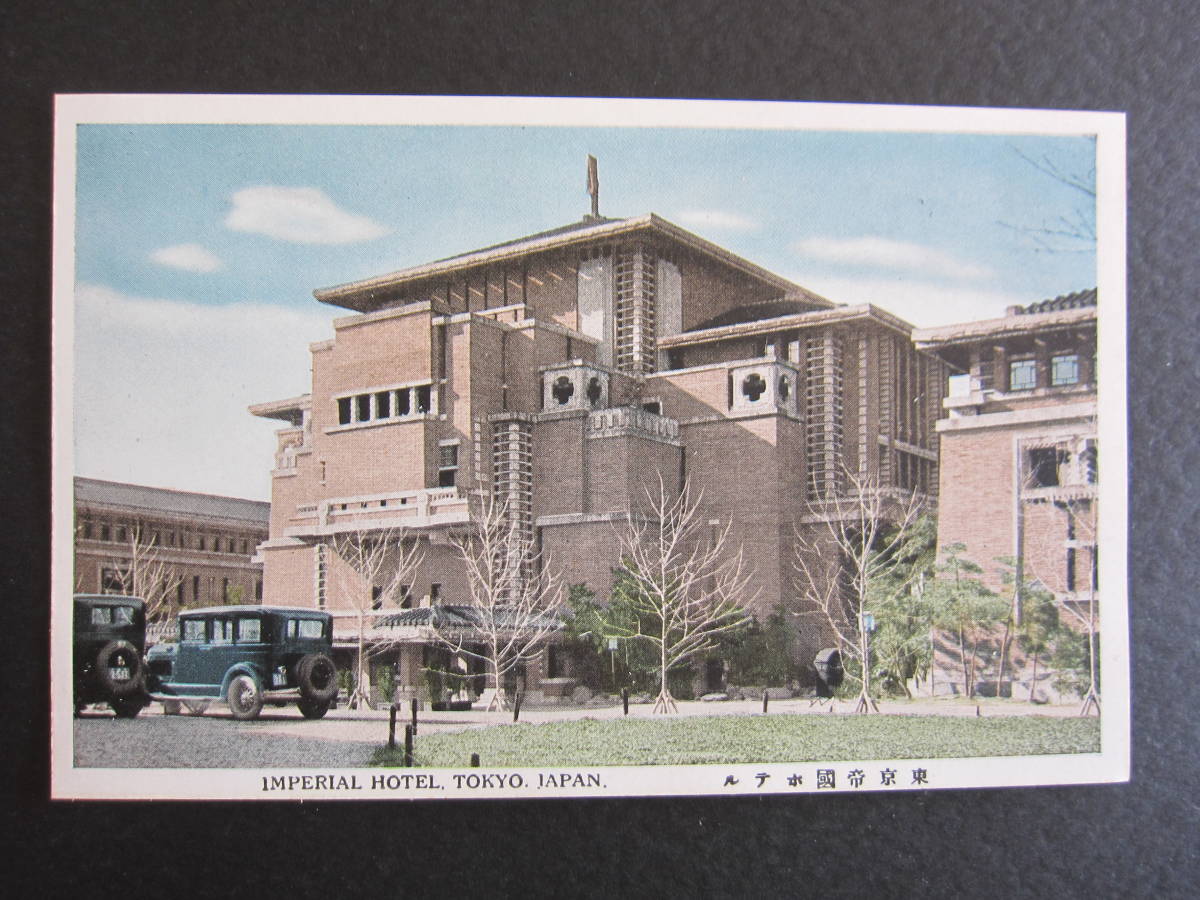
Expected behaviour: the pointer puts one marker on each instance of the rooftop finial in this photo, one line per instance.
(593, 185)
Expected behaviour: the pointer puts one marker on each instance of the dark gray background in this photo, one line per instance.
(1137, 839)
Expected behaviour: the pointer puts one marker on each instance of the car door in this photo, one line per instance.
(190, 661)
(219, 653)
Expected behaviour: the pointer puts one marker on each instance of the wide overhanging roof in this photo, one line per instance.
(363, 296)
(969, 332)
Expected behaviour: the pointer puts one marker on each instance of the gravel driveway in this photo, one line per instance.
(215, 740)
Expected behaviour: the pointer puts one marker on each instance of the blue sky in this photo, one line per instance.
(198, 247)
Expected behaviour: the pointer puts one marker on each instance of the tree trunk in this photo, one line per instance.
(1033, 680)
(962, 658)
(1003, 655)
(664, 702)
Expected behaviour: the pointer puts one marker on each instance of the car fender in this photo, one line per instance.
(241, 669)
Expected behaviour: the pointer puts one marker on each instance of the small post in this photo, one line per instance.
(392, 728)
(766, 697)
(414, 714)
(517, 706)
(625, 699)
(474, 760)
(408, 746)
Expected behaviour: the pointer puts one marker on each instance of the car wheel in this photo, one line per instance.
(170, 707)
(119, 669)
(195, 707)
(311, 710)
(126, 707)
(316, 676)
(244, 698)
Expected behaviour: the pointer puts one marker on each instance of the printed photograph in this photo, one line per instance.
(459, 447)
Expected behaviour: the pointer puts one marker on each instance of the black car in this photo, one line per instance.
(247, 656)
(110, 639)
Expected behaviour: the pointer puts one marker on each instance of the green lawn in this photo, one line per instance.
(746, 739)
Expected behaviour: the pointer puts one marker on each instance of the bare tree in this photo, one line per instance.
(515, 597)
(1066, 233)
(684, 583)
(142, 572)
(849, 554)
(377, 565)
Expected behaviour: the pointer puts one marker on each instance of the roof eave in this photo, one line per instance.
(344, 294)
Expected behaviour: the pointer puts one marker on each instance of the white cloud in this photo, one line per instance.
(189, 257)
(885, 253)
(716, 218)
(161, 388)
(302, 215)
(923, 303)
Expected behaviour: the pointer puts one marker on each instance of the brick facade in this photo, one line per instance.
(576, 369)
(203, 545)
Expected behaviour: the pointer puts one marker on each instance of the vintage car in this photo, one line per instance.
(109, 639)
(246, 656)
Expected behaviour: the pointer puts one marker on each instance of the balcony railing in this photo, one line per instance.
(630, 419)
(395, 509)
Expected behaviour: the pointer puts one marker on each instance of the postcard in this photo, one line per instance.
(446, 447)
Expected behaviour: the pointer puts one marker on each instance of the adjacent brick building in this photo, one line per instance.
(567, 372)
(1019, 445)
(202, 545)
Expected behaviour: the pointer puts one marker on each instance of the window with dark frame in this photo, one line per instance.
(1022, 375)
(1064, 369)
(447, 465)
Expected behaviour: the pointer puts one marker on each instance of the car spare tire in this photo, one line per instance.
(316, 676)
(119, 669)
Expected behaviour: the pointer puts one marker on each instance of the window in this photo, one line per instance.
(105, 533)
(195, 587)
(201, 544)
(435, 592)
(376, 596)
(170, 539)
(381, 406)
(121, 533)
(1064, 369)
(111, 582)
(562, 390)
(101, 615)
(224, 590)
(193, 630)
(249, 631)
(1071, 570)
(222, 631)
(86, 529)
(653, 407)
(594, 390)
(753, 387)
(405, 596)
(1022, 375)
(258, 589)
(305, 628)
(785, 388)
(447, 465)
(1043, 466)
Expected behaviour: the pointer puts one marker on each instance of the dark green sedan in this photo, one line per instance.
(246, 656)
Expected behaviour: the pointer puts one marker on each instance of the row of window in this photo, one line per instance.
(114, 581)
(378, 406)
(1064, 371)
(121, 534)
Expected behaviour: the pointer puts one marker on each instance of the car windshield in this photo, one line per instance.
(112, 615)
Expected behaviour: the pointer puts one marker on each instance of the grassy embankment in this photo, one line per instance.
(746, 739)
